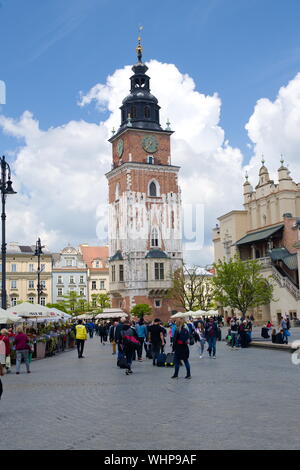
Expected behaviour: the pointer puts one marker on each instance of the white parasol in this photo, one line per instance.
(28, 310)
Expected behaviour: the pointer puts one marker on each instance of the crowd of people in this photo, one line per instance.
(129, 339)
(278, 337)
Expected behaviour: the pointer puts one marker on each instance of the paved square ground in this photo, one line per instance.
(245, 399)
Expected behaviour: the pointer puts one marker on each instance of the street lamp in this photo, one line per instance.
(38, 253)
(6, 188)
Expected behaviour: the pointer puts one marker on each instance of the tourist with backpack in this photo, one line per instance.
(130, 342)
(181, 348)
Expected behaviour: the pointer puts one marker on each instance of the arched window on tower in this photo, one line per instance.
(154, 237)
(153, 189)
(147, 112)
(133, 112)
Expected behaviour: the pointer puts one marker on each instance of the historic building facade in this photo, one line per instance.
(268, 229)
(69, 274)
(145, 203)
(21, 275)
(96, 260)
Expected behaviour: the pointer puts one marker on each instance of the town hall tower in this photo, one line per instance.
(144, 203)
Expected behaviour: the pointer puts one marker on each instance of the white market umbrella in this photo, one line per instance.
(60, 313)
(212, 312)
(8, 317)
(28, 310)
(181, 315)
(198, 313)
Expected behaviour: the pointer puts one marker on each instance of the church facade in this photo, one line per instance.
(144, 203)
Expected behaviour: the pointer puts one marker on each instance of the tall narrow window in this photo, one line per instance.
(154, 237)
(152, 189)
(113, 273)
(147, 272)
(121, 273)
(159, 271)
(147, 112)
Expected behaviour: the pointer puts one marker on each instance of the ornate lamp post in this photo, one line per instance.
(38, 253)
(6, 188)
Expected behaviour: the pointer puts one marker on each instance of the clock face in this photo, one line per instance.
(120, 147)
(150, 144)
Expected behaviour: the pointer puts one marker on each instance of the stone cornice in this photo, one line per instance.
(142, 166)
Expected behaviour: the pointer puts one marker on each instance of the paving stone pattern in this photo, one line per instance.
(245, 399)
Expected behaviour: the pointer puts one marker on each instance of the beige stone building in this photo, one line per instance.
(268, 230)
(21, 275)
(96, 260)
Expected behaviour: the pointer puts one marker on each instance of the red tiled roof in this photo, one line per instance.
(90, 253)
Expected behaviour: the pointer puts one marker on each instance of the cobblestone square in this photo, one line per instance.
(245, 399)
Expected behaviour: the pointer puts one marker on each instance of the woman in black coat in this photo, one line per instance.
(181, 348)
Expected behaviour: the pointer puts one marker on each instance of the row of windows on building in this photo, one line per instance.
(159, 274)
(31, 299)
(31, 268)
(31, 284)
(72, 280)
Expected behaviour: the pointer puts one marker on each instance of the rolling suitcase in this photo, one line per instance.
(161, 360)
(169, 360)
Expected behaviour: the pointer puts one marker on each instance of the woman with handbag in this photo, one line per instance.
(181, 348)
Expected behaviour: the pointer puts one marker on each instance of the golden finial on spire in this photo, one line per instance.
(139, 48)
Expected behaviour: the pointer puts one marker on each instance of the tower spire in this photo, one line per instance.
(139, 47)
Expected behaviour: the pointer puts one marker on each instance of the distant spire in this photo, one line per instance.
(246, 176)
(139, 48)
(263, 159)
(282, 160)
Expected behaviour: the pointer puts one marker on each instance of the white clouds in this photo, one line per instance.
(274, 129)
(59, 176)
(59, 173)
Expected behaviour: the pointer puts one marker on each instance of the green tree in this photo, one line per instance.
(75, 303)
(240, 284)
(101, 300)
(139, 310)
(59, 306)
(191, 290)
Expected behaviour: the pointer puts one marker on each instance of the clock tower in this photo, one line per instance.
(144, 203)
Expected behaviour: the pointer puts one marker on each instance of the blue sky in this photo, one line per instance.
(52, 49)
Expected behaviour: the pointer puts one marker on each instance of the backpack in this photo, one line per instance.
(129, 338)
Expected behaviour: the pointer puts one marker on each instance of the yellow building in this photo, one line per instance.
(21, 275)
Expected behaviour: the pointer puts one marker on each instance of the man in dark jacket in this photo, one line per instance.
(118, 337)
(211, 334)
